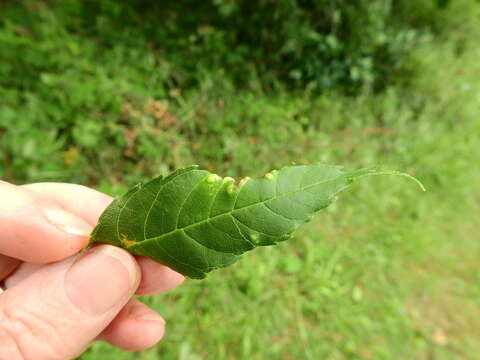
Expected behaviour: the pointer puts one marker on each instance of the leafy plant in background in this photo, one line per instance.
(195, 221)
(77, 78)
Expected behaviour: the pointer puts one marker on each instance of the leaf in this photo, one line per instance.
(194, 221)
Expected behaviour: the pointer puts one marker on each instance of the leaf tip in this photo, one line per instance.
(408, 176)
(376, 171)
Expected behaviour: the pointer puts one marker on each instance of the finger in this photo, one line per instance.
(23, 271)
(35, 229)
(57, 311)
(156, 278)
(80, 200)
(135, 328)
(7, 266)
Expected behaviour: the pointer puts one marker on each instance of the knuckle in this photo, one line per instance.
(28, 336)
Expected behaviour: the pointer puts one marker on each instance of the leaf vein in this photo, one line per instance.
(121, 211)
(186, 199)
(240, 230)
(203, 253)
(276, 213)
(155, 200)
(221, 230)
(213, 201)
(253, 229)
(175, 258)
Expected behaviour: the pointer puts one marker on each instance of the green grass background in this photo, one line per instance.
(386, 272)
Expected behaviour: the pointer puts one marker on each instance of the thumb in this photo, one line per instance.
(36, 229)
(57, 311)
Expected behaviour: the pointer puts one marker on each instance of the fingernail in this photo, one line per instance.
(101, 278)
(67, 222)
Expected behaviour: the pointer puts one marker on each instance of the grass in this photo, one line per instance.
(387, 272)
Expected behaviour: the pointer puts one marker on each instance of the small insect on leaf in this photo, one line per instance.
(194, 221)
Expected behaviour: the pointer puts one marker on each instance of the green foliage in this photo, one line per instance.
(120, 91)
(321, 44)
(194, 221)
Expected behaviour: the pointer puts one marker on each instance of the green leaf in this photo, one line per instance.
(194, 221)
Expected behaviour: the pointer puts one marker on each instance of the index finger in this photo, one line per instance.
(78, 199)
(35, 229)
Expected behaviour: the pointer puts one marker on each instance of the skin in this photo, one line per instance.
(57, 298)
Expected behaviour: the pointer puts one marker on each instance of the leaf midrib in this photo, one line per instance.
(231, 211)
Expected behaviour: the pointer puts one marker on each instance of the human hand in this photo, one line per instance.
(58, 301)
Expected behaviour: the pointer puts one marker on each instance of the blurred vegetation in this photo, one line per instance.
(120, 90)
(108, 93)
